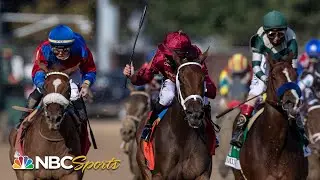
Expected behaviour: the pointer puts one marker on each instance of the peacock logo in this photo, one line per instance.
(22, 162)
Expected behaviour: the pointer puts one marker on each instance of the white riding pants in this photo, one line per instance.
(167, 93)
(75, 94)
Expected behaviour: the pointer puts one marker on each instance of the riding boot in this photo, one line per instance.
(80, 110)
(148, 127)
(33, 100)
(300, 126)
(237, 135)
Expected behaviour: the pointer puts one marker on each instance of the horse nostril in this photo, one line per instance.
(189, 112)
(201, 114)
(288, 104)
(59, 118)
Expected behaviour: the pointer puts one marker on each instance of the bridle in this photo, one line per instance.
(136, 118)
(193, 96)
(56, 97)
(290, 85)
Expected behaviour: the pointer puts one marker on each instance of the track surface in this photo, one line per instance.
(108, 140)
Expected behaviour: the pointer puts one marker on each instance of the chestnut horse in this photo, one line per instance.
(273, 148)
(52, 131)
(180, 143)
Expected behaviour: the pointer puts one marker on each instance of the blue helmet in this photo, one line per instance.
(313, 48)
(61, 35)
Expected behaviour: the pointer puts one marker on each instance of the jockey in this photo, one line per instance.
(66, 48)
(181, 44)
(309, 57)
(311, 72)
(273, 37)
(309, 85)
(238, 66)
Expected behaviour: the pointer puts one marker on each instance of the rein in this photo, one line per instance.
(193, 96)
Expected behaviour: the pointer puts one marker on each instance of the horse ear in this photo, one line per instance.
(175, 56)
(43, 67)
(268, 57)
(290, 57)
(71, 70)
(203, 56)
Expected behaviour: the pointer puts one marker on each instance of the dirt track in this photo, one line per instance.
(108, 139)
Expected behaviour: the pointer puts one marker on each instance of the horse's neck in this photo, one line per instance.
(274, 125)
(177, 117)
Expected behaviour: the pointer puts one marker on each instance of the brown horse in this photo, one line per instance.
(52, 131)
(313, 129)
(180, 144)
(273, 148)
(137, 107)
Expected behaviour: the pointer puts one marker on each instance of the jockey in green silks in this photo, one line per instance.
(277, 39)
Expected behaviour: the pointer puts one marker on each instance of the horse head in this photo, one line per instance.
(137, 106)
(282, 87)
(190, 87)
(57, 92)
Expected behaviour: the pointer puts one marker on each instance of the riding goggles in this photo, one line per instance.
(274, 34)
(58, 50)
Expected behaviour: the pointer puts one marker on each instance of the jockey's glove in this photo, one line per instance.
(85, 92)
(264, 78)
(40, 87)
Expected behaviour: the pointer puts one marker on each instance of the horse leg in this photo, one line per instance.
(206, 174)
(237, 174)
(145, 172)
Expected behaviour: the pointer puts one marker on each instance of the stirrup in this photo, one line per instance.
(237, 137)
(236, 142)
(146, 132)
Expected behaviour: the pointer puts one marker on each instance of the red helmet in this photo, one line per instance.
(177, 40)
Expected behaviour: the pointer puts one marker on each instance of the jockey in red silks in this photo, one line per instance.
(66, 48)
(180, 43)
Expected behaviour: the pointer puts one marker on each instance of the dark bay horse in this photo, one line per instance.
(273, 149)
(180, 146)
(137, 108)
(52, 131)
(313, 128)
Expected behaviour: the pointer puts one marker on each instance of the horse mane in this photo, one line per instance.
(56, 68)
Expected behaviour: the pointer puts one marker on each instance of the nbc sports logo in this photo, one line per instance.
(22, 162)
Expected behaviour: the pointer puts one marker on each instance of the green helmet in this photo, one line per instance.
(274, 20)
